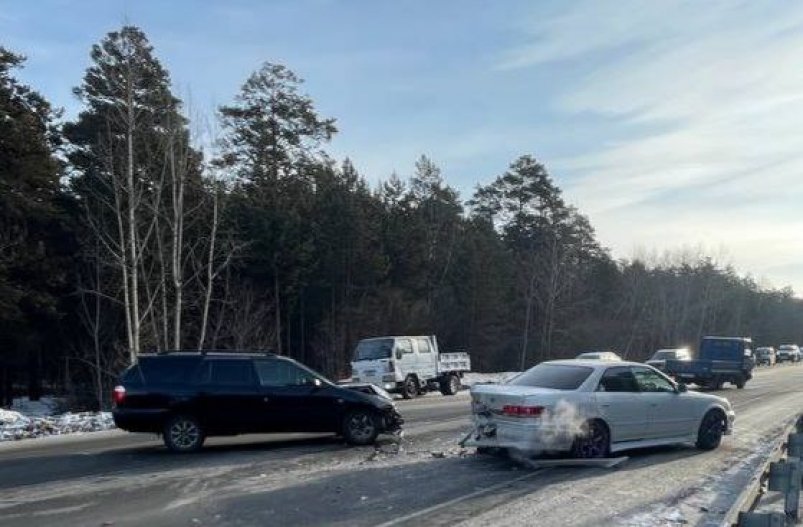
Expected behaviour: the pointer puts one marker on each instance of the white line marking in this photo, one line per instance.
(451, 502)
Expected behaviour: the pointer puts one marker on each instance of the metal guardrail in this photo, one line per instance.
(781, 472)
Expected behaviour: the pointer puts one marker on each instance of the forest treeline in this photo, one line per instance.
(120, 234)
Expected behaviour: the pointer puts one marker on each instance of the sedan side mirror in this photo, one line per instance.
(682, 388)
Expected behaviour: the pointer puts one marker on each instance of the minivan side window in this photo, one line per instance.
(405, 345)
(227, 373)
(282, 373)
(162, 370)
(423, 345)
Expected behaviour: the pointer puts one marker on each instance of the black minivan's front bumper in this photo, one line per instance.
(393, 420)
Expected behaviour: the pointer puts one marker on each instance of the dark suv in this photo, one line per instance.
(187, 396)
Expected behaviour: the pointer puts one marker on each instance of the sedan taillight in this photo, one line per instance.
(523, 411)
(118, 395)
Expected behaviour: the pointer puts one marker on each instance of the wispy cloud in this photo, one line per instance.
(705, 102)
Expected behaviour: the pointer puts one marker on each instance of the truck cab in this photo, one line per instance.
(409, 365)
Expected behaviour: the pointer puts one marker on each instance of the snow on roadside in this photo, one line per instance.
(16, 425)
(707, 503)
(470, 379)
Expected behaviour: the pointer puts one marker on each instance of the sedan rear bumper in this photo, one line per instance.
(525, 437)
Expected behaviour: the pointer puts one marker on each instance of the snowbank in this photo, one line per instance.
(470, 379)
(17, 425)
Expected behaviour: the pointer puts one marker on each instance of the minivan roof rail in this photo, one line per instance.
(220, 351)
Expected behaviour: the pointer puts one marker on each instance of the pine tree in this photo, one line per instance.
(35, 236)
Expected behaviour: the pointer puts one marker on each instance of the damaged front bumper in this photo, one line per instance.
(392, 421)
(524, 437)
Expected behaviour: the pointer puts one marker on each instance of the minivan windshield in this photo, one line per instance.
(373, 349)
(554, 376)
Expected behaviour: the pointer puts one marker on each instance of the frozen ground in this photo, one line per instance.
(32, 419)
(114, 478)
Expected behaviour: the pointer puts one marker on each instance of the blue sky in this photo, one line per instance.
(673, 125)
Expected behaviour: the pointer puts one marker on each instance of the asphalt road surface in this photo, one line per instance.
(115, 478)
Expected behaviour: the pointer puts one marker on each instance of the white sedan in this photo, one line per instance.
(594, 408)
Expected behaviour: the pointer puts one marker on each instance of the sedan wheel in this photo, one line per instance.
(360, 428)
(593, 442)
(183, 434)
(711, 430)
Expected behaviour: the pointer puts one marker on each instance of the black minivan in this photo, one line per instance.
(188, 396)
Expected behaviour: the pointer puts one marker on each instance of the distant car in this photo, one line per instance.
(765, 356)
(188, 396)
(788, 353)
(592, 408)
(659, 358)
(599, 355)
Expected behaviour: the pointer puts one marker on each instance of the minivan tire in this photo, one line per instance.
(183, 434)
(360, 427)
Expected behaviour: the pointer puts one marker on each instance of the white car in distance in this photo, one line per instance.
(592, 409)
(599, 355)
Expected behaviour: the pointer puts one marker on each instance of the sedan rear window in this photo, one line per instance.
(554, 376)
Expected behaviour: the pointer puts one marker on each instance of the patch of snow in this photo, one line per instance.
(15, 425)
(470, 379)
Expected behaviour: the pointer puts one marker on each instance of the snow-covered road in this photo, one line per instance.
(115, 478)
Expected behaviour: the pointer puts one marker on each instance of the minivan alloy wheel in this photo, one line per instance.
(362, 427)
(183, 434)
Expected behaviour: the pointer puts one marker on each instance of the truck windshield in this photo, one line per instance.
(373, 349)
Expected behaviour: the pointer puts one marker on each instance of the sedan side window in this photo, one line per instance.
(282, 373)
(618, 379)
(652, 381)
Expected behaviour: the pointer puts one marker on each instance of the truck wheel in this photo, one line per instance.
(183, 433)
(450, 385)
(360, 427)
(740, 382)
(709, 436)
(409, 388)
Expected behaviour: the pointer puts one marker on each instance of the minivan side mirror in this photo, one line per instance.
(314, 382)
(682, 388)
